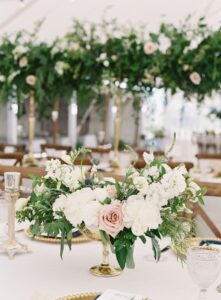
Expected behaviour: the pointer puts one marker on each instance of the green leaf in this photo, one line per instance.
(121, 255)
(156, 248)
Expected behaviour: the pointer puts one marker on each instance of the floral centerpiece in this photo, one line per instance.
(145, 204)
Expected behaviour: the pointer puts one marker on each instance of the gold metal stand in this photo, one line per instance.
(105, 269)
(11, 245)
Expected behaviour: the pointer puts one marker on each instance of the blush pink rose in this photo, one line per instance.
(111, 219)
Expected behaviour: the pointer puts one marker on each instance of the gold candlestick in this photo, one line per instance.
(11, 245)
(31, 130)
(117, 129)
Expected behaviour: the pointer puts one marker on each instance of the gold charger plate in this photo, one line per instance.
(55, 240)
(88, 296)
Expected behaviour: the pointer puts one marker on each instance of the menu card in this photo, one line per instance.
(118, 295)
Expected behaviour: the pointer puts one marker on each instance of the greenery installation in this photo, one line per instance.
(93, 57)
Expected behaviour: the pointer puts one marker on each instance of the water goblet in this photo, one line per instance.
(203, 264)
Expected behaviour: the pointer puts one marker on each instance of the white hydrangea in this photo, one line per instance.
(75, 206)
(173, 184)
(140, 215)
(59, 205)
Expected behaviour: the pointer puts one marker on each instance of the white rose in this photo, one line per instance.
(59, 205)
(2, 78)
(23, 62)
(195, 78)
(150, 47)
(21, 203)
(140, 182)
(148, 157)
(31, 79)
(100, 194)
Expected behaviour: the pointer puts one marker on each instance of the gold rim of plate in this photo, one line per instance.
(55, 240)
(86, 296)
(192, 242)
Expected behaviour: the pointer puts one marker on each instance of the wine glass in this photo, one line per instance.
(203, 264)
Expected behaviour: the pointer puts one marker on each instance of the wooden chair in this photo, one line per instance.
(208, 156)
(17, 147)
(17, 156)
(100, 150)
(141, 164)
(44, 147)
(156, 153)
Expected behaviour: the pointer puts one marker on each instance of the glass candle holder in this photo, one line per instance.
(12, 181)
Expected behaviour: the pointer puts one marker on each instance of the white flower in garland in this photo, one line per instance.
(60, 67)
(195, 78)
(150, 47)
(12, 76)
(186, 67)
(2, 78)
(31, 80)
(19, 51)
(23, 62)
(106, 63)
(102, 56)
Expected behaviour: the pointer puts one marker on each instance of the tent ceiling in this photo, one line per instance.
(59, 13)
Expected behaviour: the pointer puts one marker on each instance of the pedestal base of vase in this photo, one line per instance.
(30, 161)
(105, 271)
(13, 247)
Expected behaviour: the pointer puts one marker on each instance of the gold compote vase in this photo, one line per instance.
(104, 269)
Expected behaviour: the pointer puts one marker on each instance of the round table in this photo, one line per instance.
(42, 272)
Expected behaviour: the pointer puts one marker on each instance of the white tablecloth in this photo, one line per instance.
(43, 272)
